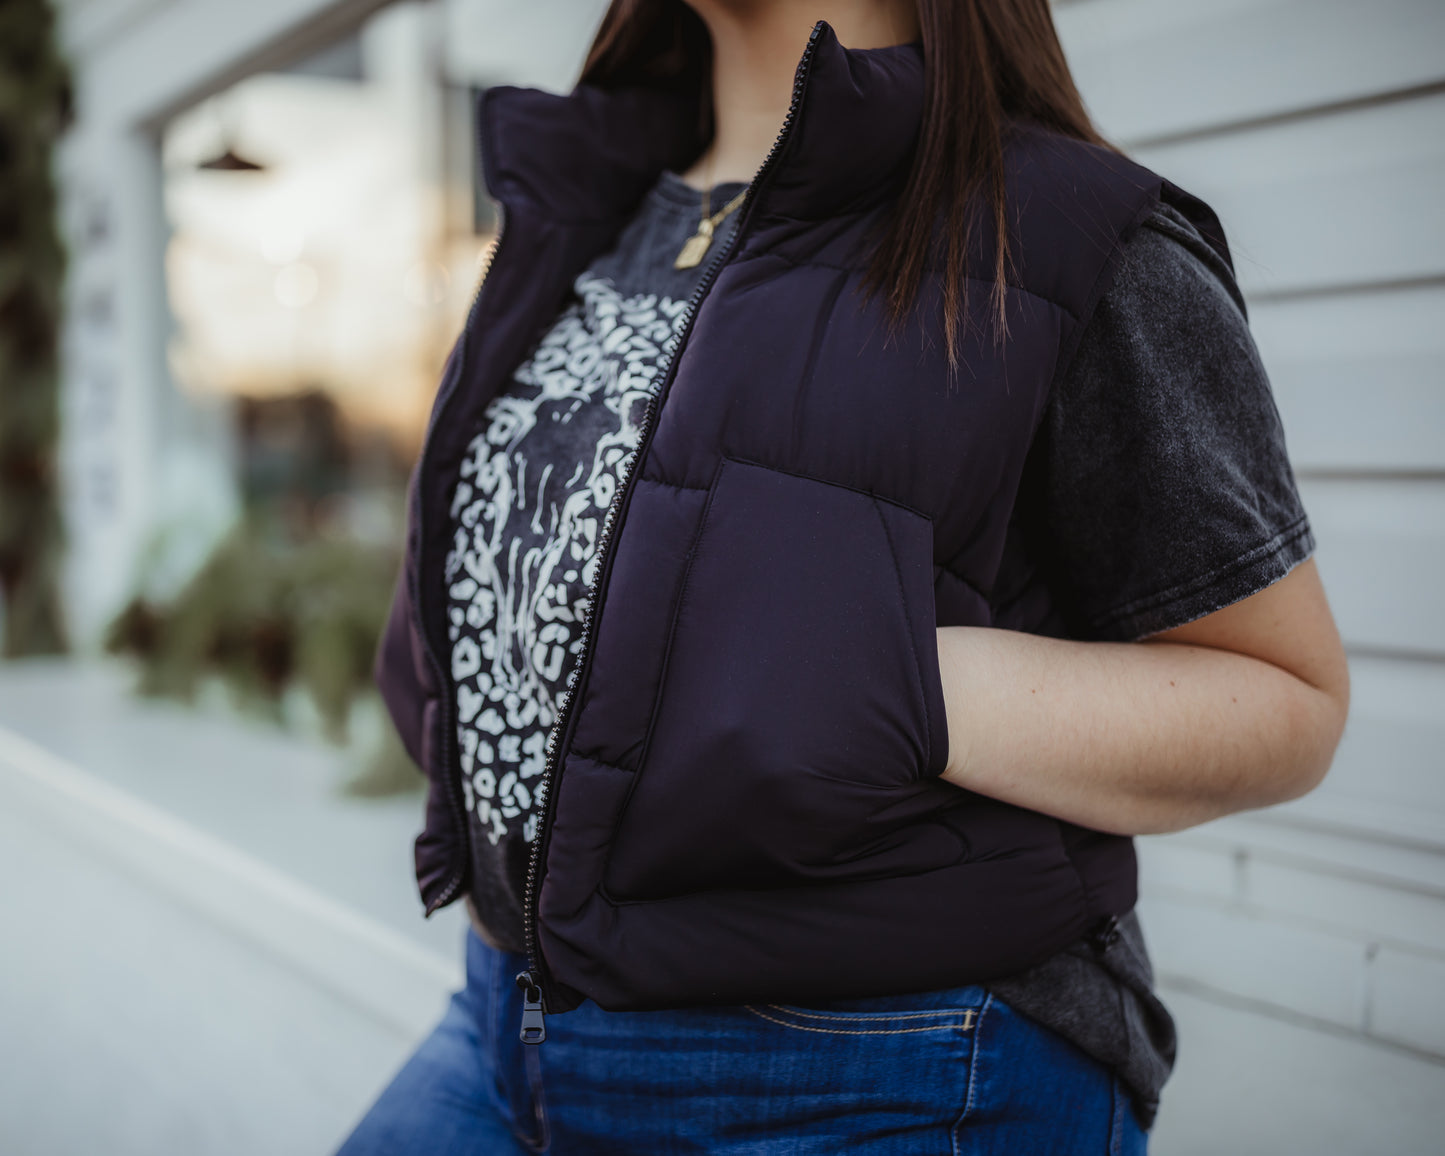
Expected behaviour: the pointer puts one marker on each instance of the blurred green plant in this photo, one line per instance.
(35, 103)
(267, 614)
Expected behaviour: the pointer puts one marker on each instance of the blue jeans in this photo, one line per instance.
(947, 1072)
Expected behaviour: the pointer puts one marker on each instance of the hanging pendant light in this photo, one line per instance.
(231, 162)
(228, 160)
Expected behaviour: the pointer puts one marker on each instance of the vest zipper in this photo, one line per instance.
(534, 980)
(534, 1024)
(442, 675)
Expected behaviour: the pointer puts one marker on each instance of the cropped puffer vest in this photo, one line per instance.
(742, 796)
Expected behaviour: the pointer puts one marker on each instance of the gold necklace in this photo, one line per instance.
(696, 246)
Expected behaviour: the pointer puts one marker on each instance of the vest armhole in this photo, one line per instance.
(1201, 216)
(1103, 281)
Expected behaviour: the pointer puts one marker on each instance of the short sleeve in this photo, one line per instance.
(1166, 493)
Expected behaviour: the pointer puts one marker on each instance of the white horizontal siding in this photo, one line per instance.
(1359, 378)
(1311, 972)
(1151, 68)
(1388, 774)
(1382, 554)
(1337, 929)
(1352, 198)
(1407, 999)
(1383, 914)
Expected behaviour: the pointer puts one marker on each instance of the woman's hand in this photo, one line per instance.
(1242, 708)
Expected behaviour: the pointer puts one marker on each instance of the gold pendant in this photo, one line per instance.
(696, 246)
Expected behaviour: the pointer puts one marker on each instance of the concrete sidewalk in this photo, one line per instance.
(207, 949)
(244, 781)
(133, 1025)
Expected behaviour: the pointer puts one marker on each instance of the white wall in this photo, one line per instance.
(540, 44)
(1316, 128)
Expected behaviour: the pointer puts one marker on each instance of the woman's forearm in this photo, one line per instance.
(1135, 737)
(1127, 737)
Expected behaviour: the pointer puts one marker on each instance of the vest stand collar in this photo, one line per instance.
(590, 156)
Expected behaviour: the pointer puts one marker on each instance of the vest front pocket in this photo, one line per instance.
(799, 726)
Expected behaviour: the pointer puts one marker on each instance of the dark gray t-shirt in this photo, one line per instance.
(1158, 491)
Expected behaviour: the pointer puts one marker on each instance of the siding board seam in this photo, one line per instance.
(1171, 981)
(1289, 116)
(1345, 289)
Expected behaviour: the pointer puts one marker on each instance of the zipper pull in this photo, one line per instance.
(534, 1023)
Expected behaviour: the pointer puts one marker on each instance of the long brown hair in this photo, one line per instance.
(985, 62)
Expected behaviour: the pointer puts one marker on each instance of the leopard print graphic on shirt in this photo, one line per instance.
(527, 512)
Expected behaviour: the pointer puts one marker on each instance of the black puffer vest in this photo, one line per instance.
(743, 797)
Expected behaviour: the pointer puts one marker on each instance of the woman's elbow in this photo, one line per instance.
(1317, 725)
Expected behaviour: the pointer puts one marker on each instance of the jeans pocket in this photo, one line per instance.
(1032, 1090)
(1126, 1136)
(887, 1081)
(831, 1021)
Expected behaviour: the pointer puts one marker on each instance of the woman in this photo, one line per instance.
(853, 509)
